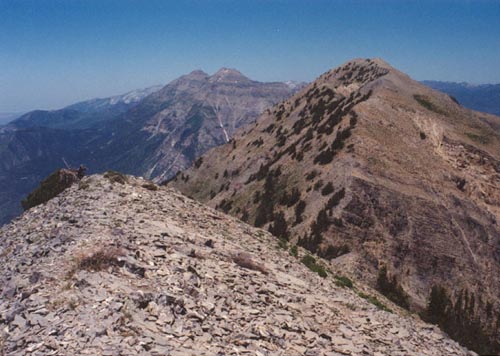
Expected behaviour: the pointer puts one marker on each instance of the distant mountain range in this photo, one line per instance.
(6, 117)
(84, 114)
(151, 132)
(485, 97)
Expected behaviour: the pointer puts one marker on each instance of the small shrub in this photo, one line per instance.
(83, 185)
(426, 103)
(390, 287)
(98, 260)
(310, 262)
(318, 185)
(244, 215)
(311, 175)
(283, 244)
(198, 162)
(343, 282)
(324, 157)
(279, 227)
(375, 302)
(289, 199)
(423, 136)
(294, 251)
(299, 209)
(478, 138)
(335, 251)
(116, 177)
(335, 199)
(150, 186)
(327, 189)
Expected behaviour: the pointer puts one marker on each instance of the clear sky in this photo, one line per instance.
(53, 53)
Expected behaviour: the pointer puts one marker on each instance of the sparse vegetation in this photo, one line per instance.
(150, 186)
(198, 162)
(333, 251)
(116, 177)
(459, 319)
(299, 210)
(478, 138)
(294, 251)
(311, 175)
(372, 299)
(279, 227)
(310, 262)
(428, 104)
(97, 260)
(290, 199)
(390, 287)
(344, 282)
(327, 189)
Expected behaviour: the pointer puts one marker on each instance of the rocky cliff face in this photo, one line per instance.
(177, 124)
(107, 268)
(383, 176)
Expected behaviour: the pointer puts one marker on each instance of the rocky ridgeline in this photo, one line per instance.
(108, 268)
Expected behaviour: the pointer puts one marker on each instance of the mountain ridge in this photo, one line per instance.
(480, 97)
(380, 174)
(118, 264)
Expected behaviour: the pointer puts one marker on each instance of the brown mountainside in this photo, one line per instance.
(383, 176)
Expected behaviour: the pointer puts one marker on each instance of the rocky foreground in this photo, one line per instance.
(134, 269)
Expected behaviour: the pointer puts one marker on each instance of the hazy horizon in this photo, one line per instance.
(55, 53)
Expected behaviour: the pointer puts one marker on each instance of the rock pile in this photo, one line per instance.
(134, 269)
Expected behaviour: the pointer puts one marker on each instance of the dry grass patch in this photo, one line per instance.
(97, 259)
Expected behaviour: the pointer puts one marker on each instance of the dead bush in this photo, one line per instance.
(98, 259)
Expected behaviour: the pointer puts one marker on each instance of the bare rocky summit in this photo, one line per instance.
(120, 266)
(383, 176)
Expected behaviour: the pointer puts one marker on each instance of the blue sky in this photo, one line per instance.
(53, 53)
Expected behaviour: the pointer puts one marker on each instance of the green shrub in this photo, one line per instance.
(426, 103)
(279, 227)
(459, 319)
(372, 299)
(83, 186)
(327, 189)
(150, 186)
(343, 282)
(390, 287)
(294, 251)
(299, 210)
(116, 177)
(478, 138)
(310, 262)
